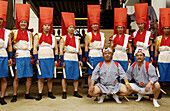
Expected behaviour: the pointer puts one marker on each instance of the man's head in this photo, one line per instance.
(95, 27)
(107, 54)
(141, 26)
(23, 24)
(166, 30)
(140, 55)
(70, 29)
(46, 27)
(120, 29)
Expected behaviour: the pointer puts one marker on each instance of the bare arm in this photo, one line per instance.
(86, 42)
(10, 43)
(151, 45)
(32, 40)
(61, 44)
(130, 47)
(156, 48)
(35, 44)
(80, 51)
(56, 47)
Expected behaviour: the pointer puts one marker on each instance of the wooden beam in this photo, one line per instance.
(9, 23)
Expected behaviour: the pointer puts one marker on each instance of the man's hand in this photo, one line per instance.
(10, 62)
(16, 55)
(148, 87)
(129, 88)
(80, 64)
(91, 89)
(151, 60)
(38, 62)
(63, 64)
(55, 63)
(129, 61)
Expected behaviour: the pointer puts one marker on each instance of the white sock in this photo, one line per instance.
(155, 103)
(139, 97)
(116, 98)
(102, 98)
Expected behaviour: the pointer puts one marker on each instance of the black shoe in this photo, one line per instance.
(64, 95)
(96, 99)
(2, 101)
(89, 96)
(14, 99)
(77, 95)
(27, 96)
(39, 97)
(50, 95)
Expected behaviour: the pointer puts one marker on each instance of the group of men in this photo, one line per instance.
(109, 65)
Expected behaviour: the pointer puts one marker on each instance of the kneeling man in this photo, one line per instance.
(145, 77)
(105, 79)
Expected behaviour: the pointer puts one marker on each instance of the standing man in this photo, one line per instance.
(5, 41)
(69, 50)
(22, 44)
(94, 40)
(48, 49)
(152, 19)
(105, 76)
(120, 40)
(145, 77)
(163, 45)
(143, 38)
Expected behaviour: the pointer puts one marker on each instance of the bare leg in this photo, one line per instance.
(123, 91)
(64, 84)
(89, 78)
(75, 84)
(15, 83)
(3, 86)
(40, 88)
(3, 90)
(28, 84)
(15, 87)
(40, 85)
(156, 92)
(49, 85)
(96, 93)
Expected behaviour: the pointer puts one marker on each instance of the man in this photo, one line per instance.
(152, 18)
(145, 77)
(47, 44)
(143, 38)
(105, 76)
(69, 50)
(163, 45)
(22, 44)
(5, 41)
(94, 40)
(120, 41)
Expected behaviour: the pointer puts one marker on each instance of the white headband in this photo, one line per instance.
(140, 50)
(108, 49)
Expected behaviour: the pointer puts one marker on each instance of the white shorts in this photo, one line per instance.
(140, 90)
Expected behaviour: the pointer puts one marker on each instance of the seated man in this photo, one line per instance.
(105, 76)
(145, 77)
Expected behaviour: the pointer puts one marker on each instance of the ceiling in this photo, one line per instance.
(79, 7)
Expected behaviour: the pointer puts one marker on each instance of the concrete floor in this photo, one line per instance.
(77, 104)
